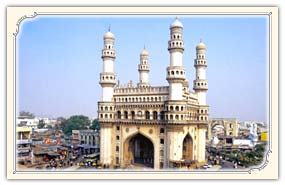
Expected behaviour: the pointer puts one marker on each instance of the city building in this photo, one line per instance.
(86, 141)
(157, 126)
(25, 121)
(24, 145)
(222, 127)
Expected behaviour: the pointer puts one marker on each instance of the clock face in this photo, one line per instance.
(140, 113)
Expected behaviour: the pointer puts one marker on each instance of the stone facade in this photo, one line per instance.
(156, 126)
(230, 127)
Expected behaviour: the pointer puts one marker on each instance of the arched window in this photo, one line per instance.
(176, 117)
(126, 115)
(101, 115)
(147, 115)
(181, 108)
(106, 116)
(171, 117)
(171, 108)
(162, 130)
(177, 108)
(106, 108)
(119, 115)
(133, 114)
(172, 72)
(155, 117)
(162, 115)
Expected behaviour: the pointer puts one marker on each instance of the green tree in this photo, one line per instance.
(95, 125)
(60, 123)
(77, 122)
(41, 124)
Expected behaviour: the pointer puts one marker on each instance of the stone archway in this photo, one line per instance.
(187, 153)
(218, 130)
(139, 150)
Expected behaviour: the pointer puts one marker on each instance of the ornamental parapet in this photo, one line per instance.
(107, 78)
(143, 67)
(175, 73)
(108, 53)
(200, 62)
(176, 45)
(200, 84)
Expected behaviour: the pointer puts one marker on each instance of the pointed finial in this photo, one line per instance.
(176, 17)
(200, 40)
(109, 29)
(144, 46)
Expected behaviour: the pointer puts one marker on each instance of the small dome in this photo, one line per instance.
(201, 46)
(144, 52)
(176, 23)
(109, 35)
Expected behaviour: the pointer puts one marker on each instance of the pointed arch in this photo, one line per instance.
(139, 148)
(187, 150)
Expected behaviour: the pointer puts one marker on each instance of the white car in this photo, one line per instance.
(206, 166)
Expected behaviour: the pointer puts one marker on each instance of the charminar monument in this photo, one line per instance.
(153, 126)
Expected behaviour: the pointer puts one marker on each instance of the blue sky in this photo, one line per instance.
(59, 61)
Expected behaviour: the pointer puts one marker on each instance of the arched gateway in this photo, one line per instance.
(188, 148)
(139, 150)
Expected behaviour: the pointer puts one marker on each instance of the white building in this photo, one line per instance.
(157, 126)
(27, 122)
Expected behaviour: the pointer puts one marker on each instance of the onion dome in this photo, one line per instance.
(201, 46)
(144, 52)
(176, 23)
(109, 35)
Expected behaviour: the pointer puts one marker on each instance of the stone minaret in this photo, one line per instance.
(176, 71)
(200, 83)
(107, 77)
(107, 81)
(143, 69)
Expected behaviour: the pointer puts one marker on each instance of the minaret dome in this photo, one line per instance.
(201, 46)
(109, 35)
(176, 23)
(144, 52)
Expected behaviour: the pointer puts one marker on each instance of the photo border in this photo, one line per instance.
(16, 16)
